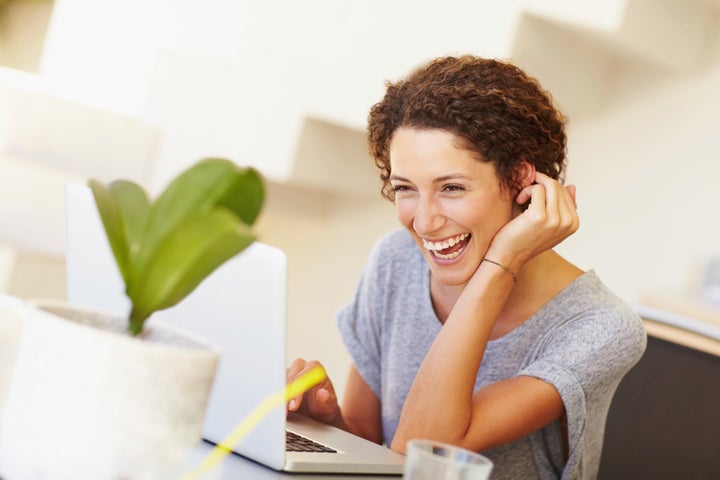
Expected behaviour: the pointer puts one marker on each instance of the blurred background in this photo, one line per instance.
(140, 89)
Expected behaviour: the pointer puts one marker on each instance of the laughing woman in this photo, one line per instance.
(467, 327)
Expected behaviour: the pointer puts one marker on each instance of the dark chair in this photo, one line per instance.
(664, 421)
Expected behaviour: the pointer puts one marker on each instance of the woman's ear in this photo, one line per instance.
(525, 174)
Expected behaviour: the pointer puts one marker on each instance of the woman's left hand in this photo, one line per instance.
(549, 219)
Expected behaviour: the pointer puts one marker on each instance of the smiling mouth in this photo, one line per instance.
(449, 248)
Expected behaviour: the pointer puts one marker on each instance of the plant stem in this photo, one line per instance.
(137, 320)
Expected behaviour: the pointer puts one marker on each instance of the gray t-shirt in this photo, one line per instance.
(582, 341)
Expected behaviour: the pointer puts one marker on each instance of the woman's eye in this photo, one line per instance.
(453, 188)
(400, 188)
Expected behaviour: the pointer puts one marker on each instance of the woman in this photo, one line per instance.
(466, 326)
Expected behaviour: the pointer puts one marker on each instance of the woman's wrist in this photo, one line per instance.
(510, 262)
(504, 267)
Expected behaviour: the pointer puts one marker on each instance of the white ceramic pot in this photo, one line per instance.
(87, 401)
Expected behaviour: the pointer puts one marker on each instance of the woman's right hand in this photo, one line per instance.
(550, 218)
(320, 402)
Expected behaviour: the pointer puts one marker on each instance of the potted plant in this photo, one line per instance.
(98, 396)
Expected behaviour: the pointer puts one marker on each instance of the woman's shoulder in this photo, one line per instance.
(395, 246)
(590, 307)
(398, 238)
(590, 294)
(393, 255)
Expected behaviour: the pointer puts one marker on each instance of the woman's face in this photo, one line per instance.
(452, 203)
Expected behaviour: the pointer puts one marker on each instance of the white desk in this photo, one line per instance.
(234, 467)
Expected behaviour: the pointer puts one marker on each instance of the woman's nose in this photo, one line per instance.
(428, 216)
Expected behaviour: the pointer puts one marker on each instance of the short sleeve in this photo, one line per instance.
(585, 359)
(358, 324)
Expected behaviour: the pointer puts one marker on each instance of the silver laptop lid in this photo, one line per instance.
(240, 307)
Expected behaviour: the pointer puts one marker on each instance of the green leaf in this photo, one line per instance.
(194, 191)
(208, 183)
(193, 250)
(166, 248)
(123, 208)
(245, 195)
(112, 221)
(134, 207)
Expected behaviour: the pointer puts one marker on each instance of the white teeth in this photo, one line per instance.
(451, 242)
(446, 257)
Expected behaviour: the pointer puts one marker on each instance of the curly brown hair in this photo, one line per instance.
(497, 111)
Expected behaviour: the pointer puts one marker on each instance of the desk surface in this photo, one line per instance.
(689, 324)
(234, 467)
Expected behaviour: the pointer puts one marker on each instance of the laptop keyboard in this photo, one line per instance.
(298, 443)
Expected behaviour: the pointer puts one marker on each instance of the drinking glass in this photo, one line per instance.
(430, 460)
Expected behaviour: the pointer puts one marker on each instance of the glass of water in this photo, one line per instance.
(430, 460)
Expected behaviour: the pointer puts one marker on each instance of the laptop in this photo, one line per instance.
(240, 307)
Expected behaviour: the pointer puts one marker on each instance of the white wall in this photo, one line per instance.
(236, 78)
(647, 173)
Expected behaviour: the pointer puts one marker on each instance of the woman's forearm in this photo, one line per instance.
(440, 402)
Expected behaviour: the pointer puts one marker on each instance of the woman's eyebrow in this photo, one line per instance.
(451, 176)
(443, 178)
(399, 178)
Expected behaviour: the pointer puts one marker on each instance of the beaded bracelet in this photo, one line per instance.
(503, 267)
